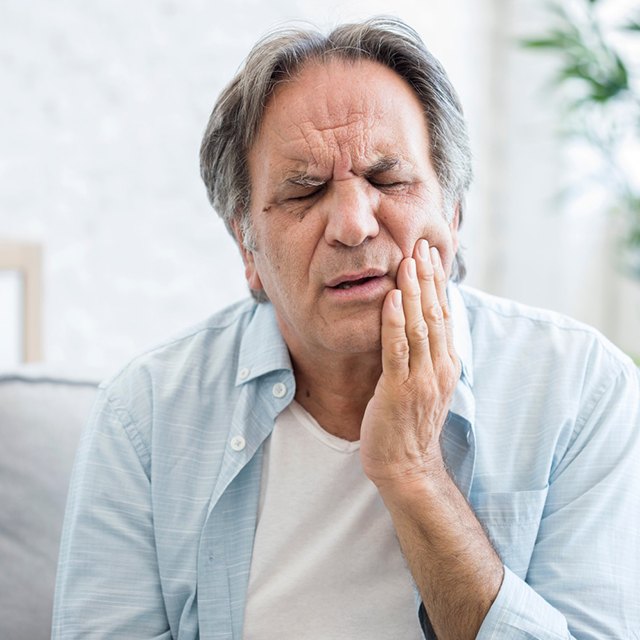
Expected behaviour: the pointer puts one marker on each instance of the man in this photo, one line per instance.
(367, 450)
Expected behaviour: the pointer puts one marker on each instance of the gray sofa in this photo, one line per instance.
(41, 419)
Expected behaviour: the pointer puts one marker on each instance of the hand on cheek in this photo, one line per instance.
(402, 423)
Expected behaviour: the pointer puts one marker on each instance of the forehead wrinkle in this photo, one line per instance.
(345, 143)
(325, 131)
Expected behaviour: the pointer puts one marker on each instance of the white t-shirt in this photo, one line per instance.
(326, 562)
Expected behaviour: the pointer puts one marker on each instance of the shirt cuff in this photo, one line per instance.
(519, 613)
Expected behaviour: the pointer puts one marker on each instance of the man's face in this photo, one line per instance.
(342, 187)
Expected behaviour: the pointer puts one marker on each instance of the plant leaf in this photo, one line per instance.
(621, 73)
(542, 43)
(555, 40)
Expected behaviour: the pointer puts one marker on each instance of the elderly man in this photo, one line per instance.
(367, 449)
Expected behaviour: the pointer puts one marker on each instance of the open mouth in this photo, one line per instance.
(348, 284)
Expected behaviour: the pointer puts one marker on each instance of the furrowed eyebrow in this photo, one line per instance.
(382, 165)
(305, 180)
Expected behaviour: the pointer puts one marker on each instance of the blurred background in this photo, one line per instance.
(108, 244)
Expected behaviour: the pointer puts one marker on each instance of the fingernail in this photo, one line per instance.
(412, 269)
(435, 256)
(396, 299)
(423, 249)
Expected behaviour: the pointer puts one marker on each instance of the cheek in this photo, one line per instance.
(267, 265)
(279, 262)
(446, 245)
(400, 224)
(408, 225)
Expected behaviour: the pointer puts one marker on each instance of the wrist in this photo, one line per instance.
(406, 482)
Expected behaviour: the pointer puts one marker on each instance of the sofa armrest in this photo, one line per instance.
(41, 419)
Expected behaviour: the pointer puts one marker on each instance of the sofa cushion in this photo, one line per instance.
(41, 419)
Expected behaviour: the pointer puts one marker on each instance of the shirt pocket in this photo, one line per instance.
(512, 520)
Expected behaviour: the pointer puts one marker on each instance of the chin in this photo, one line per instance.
(355, 339)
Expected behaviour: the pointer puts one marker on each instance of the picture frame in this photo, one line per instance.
(21, 270)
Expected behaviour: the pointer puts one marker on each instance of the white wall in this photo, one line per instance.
(103, 106)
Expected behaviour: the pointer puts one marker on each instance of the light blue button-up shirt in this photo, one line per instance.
(543, 437)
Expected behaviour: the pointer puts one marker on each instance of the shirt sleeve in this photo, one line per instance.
(108, 583)
(584, 574)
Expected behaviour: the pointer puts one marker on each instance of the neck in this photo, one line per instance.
(336, 391)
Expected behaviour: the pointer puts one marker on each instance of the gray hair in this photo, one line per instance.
(237, 115)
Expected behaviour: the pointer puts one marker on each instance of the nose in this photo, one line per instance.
(351, 214)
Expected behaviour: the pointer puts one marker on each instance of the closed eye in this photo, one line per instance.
(386, 185)
(307, 195)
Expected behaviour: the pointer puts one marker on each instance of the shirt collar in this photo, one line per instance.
(458, 434)
(461, 331)
(462, 403)
(263, 348)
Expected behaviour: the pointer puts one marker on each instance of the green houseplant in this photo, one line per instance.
(602, 107)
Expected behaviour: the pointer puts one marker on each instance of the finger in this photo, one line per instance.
(395, 346)
(415, 326)
(440, 280)
(431, 309)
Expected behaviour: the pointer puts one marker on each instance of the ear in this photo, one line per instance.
(250, 269)
(453, 228)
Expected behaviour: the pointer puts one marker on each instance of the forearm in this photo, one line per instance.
(454, 565)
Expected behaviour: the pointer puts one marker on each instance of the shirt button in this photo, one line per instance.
(238, 443)
(279, 390)
(244, 373)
